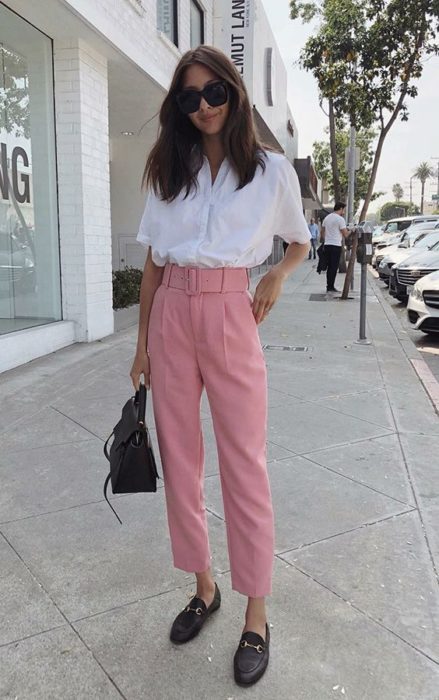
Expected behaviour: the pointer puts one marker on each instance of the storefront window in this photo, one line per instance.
(29, 249)
(197, 25)
(167, 19)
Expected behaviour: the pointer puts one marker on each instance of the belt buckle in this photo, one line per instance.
(192, 274)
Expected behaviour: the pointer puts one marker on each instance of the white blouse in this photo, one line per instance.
(220, 226)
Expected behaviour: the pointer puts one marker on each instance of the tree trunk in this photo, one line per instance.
(335, 172)
(422, 196)
(342, 263)
(373, 174)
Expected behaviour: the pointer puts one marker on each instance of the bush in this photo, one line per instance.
(126, 287)
(392, 210)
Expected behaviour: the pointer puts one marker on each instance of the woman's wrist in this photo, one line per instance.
(281, 270)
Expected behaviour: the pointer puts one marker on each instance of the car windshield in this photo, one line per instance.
(427, 240)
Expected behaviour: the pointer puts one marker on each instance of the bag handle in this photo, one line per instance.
(140, 400)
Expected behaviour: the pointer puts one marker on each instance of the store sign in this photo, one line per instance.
(19, 181)
(235, 35)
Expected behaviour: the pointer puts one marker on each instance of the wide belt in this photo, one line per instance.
(197, 280)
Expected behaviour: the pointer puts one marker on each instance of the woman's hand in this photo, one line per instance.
(140, 366)
(267, 293)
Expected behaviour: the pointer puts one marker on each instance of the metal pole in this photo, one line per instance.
(437, 189)
(363, 301)
(362, 340)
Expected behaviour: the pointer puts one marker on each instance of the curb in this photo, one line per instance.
(424, 373)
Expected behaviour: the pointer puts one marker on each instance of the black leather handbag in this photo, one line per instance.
(132, 464)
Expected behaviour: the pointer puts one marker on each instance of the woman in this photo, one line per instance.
(215, 200)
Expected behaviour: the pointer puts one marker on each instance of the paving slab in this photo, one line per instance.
(52, 665)
(309, 383)
(372, 406)
(88, 562)
(48, 427)
(384, 570)
(50, 478)
(312, 503)
(292, 430)
(25, 608)
(378, 463)
(319, 645)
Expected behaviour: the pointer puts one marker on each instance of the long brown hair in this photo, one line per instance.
(177, 156)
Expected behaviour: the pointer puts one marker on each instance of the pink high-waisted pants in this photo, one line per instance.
(210, 340)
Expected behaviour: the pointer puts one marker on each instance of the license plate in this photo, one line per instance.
(410, 288)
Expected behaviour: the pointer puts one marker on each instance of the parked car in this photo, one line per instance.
(400, 224)
(403, 239)
(17, 266)
(423, 304)
(397, 253)
(404, 275)
(381, 247)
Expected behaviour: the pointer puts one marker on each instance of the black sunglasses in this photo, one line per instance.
(215, 94)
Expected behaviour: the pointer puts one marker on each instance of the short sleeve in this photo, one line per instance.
(144, 235)
(342, 223)
(290, 221)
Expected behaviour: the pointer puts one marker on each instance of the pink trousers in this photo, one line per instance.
(208, 339)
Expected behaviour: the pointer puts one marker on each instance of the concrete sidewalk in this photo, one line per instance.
(86, 604)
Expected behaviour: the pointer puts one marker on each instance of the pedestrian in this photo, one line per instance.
(333, 231)
(215, 199)
(314, 233)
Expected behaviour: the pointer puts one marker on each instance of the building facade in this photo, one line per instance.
(81, 84)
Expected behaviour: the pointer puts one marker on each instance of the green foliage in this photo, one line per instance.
(126, 287)
(14, 95)
(397, 191)
(393, 210)
(367, 53)
(423, 172)
(367, 57)
(322, 162)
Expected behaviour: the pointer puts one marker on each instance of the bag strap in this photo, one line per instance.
(106, 446)
(106, 497)
(140, 400)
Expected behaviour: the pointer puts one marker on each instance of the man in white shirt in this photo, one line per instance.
(333, 231)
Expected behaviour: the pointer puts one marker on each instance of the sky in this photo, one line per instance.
(407, 144)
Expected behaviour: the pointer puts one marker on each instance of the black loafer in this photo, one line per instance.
(189, 622)
(251, 657)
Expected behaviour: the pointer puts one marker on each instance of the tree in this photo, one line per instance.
(14, 94)
(398, 192)
(391, 210)
(423, 172)
(367, 56)
(323, 164)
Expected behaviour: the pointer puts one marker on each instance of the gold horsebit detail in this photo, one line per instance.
(259, 648)
(197, 611)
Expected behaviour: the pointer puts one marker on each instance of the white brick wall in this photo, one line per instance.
(81, 102)
(136, 35)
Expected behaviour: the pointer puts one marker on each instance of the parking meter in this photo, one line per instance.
(364, 247)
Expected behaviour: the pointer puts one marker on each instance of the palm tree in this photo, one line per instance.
(423, 172)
